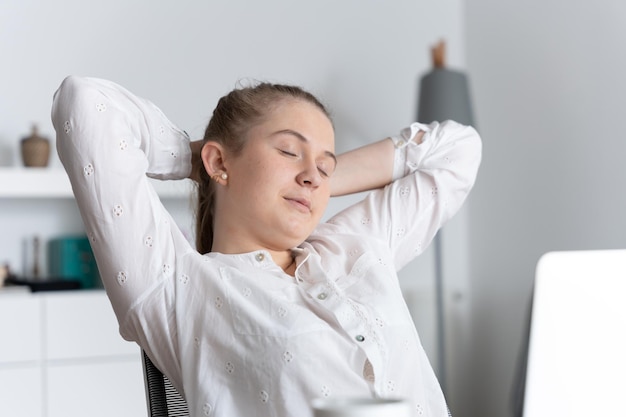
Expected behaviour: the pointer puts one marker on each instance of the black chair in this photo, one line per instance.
(162, 398)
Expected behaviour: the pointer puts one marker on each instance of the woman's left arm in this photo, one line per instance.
(423, 176)
(365, 168)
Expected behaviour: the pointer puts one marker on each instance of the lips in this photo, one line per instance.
(301, 204)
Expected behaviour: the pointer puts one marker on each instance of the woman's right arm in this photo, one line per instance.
(110, 142)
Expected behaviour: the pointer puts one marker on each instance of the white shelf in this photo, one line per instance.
(54, 183)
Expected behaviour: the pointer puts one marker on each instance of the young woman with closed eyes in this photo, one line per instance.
(269, 309)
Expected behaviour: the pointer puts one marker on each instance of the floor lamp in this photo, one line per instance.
(443, 94)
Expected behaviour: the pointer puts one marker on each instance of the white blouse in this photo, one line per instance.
(234, 333)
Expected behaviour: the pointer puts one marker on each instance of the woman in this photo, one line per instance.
(273, 309)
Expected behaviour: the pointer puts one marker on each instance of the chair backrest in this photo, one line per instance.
(162, 398)
(577, 349)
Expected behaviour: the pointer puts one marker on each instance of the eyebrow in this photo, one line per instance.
(302, 138)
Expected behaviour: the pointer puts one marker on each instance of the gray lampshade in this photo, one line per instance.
(444, 94)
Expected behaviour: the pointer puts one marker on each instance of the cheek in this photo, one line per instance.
(254, 172)
(322, 199)
(260, 181)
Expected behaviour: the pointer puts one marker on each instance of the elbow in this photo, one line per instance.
(468, 157)
(70, 88)
(69, 104)
(72, 82)
(71, 94)
(473, 149)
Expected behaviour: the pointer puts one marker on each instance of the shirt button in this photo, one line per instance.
(322, 296)
(359, 338)
(260, 257)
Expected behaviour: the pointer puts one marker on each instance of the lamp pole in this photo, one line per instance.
(443, 95)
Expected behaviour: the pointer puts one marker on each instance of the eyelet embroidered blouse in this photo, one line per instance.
(235, 334)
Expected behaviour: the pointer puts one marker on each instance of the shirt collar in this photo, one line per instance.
(259, 258)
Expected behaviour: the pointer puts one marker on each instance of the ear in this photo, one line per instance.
(213, 158)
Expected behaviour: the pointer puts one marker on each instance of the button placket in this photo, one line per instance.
(322, 291)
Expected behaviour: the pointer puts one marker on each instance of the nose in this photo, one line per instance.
(309, 176)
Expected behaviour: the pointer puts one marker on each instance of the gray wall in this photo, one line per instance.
(548, 82)
(362, 57)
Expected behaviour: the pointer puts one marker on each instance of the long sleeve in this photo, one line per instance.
(431, 182)
(109, 142)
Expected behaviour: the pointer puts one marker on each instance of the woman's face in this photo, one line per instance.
(279, 185)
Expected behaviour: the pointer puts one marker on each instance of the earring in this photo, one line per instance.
(217, 177)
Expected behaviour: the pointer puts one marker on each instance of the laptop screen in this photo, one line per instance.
(577, 346)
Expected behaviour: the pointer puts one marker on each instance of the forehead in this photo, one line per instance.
(303, 117)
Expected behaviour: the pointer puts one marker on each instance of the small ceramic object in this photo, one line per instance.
(35, 150)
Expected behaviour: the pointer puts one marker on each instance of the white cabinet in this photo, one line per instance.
(21, 391)
(20, 334)
(62, 356)
(21, 375)
(88, 321)
(96, 389)
(90, 369)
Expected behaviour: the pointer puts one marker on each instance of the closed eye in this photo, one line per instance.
(322, 169)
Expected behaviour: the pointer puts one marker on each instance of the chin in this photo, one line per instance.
(292, 243)
(292, 240)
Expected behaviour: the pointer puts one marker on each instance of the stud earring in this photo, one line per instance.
(217, 177)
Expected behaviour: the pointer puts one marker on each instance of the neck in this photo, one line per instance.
(223, 242)
(283, 258)
(290, 269)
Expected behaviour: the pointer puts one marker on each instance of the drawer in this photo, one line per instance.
(20, 328)
(21, 392)
(81, 324)
(103, 389)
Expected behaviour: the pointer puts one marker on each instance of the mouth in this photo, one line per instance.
(300, 204)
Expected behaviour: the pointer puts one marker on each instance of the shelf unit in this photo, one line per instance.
(63, 355)
(38, 202)
(44, 183)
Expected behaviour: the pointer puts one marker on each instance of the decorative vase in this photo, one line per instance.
(35, 150)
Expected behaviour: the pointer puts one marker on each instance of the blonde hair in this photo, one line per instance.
(235, 114)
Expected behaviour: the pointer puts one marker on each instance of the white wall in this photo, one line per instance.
(548, 81)
(362, 57)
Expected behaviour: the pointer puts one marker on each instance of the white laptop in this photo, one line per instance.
(577, 348)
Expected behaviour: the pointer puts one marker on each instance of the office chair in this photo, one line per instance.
(162, 398)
